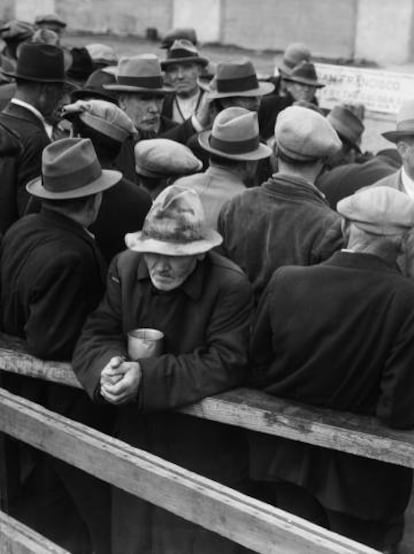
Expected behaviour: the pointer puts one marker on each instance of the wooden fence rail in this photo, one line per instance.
(254, 410)
(244, 520)
(16, 538)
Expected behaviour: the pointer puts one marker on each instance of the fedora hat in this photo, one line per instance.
(237, 78)
(183, 51)
(43, 63)
(175, 226)
(235, 135)
(305, 74)
(93, 87)
(347, 125)
(139, 74)
(70, 169)
(187, 33)
(405, 123)
(294, 54)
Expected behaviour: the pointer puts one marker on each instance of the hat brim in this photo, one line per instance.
(263, 89)
(128, 88)
(138, 243)
(108, 179)
(395, 136)
(261, 152)
(191, 59)
(34, 79)
(300, 81)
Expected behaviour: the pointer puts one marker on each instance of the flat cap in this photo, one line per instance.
(102, 53)
(104, 117)
(16, 30)
(305, 135)
(51, 18)
(379, 210)
(158, 158)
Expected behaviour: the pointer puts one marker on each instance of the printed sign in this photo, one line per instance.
(379, 91)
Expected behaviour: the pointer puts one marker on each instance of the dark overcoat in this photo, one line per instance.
(338, 335)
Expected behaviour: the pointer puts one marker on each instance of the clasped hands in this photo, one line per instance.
(120, 380)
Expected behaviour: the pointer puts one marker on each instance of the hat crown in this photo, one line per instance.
(182, 48)
(379, 210)
(304, 70)
(296, 53)
(304, 134)
(187, 33)
(106, 118)
(69, 164)
(346, 123)
(16, 30)
(235, 124)
(40, 62)
(102, 53)
(177, 217)
(143, 71)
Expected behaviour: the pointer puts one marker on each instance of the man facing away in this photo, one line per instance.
(286, 220)
(52, 277)
(340, 335)
(169, 280)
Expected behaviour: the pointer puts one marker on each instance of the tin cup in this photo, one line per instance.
(145, 343)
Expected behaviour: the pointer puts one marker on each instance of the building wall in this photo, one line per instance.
(384, 30)
(270, 24)
(377, 30)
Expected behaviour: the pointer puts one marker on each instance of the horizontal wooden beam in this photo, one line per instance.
(361, 435)
(235, 516)
(16, 538)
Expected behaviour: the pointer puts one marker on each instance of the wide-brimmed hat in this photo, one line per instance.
(160, 158)
(175, 226)
(70, 169)
(294, 54)
(183, 51)
(93, 87)
(187, 33)
(405, 123)
(305, 135)
(379, 210)
(139, 74)
(43, 63)
(347, 125)
(237, 78)
(235, 135)
(305, 74)
(51, 18)
(102, 116)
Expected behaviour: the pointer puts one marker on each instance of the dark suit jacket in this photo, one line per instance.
(338, 335)
(34, 138)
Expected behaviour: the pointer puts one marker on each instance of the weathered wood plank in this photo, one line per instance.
(16, 538)
(255, 410)
(238, 517)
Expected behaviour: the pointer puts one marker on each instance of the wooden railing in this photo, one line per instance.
(238, 517)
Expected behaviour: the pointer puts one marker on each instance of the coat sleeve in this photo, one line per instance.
(29, 167)
(170, 381)
(395, 405)
(58, 307)
(102, 336)
(330, 240)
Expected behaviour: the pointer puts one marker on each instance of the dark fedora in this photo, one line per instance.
(237, 78)
(305, 74)
(139, 74)
(187, 33)
(70, 169)
(348, 125)
(183, 51)
(235, 136)
(43, 63)
(94, 87)
(82, 65)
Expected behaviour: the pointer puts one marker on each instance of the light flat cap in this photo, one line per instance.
(379, 210)
(305, 135)
(158, 158)
(105, 117)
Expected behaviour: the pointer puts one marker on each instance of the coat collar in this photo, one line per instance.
(21, 112)
(61, 221)
(359, 260)
(288, 186)
(192, 286)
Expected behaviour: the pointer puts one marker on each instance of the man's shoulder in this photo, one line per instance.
(226, 267)
(393, 180)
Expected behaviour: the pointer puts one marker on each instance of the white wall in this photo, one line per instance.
(203, 15)
(29, 9)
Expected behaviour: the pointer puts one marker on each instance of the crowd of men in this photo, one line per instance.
(243, 222)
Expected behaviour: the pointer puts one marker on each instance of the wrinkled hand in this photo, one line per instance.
(120, 381)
